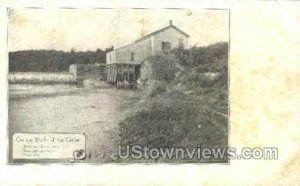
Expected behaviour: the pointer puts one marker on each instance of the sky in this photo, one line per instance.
(90, 29)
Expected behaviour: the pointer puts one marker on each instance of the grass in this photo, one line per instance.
(188, 110)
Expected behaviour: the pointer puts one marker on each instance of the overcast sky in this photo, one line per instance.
(89, 29)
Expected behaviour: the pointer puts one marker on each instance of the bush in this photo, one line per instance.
(210, 55)
(159, 67)
(157, 72)
(154, 87)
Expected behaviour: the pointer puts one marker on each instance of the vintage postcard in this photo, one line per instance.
(149, 93)
(118, 85)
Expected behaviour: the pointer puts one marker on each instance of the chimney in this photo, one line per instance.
(171, 23)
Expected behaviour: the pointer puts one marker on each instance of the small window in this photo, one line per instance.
(180, 43)
(165, 45)
(132, 56)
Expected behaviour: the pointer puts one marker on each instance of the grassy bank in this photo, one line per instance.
(185, 100)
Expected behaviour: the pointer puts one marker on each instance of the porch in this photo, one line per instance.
(123, 74)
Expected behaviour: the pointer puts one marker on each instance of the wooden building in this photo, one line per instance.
(123, 64)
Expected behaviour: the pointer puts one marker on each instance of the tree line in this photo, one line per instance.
(52, 60)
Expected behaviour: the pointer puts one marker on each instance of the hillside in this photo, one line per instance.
(188, 108)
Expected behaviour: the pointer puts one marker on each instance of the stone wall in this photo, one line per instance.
(41, 77)
(87, 71)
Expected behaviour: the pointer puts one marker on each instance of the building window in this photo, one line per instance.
(132, 56)
(180, 44)
(165, 45)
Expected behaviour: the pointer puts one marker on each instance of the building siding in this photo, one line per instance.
(146, 47)
(111, 57)
(140, 50)
(170, 35)
(123, 64)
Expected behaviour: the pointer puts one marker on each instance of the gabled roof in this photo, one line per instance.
(153, 33)
(160, 30)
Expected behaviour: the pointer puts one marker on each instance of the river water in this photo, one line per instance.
(69, 109)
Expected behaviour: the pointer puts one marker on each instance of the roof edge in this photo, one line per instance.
(153, 33)
(160, 30)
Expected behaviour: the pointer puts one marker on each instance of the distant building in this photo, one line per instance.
(123, 63)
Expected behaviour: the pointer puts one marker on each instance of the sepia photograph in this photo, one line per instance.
(149, 93)
(124, 85)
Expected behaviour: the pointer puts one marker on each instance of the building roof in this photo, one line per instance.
(160, 30)
(156, 32)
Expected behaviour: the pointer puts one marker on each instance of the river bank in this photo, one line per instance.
(65, 108)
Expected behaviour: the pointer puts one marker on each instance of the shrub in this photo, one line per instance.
(159, 67)
(154, 87)
(206, 56)
(156, 73)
